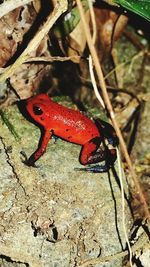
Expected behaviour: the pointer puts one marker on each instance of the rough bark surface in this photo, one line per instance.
(52, 215)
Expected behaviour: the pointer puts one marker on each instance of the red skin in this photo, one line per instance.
(70, 125)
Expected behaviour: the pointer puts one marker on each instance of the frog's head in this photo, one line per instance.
(35, 109)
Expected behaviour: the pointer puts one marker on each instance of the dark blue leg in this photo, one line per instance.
(107, 131)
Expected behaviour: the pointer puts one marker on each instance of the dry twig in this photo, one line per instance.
(51, 59)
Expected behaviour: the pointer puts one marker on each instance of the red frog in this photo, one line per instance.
(56, 120)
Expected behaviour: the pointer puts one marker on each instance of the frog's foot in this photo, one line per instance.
(94, 169)
(26, 161)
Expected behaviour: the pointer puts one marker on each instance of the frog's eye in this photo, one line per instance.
(37, 110)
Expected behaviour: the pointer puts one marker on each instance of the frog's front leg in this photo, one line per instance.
(45, 136)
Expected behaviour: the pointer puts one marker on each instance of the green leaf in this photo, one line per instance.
(140, 7)
(67, 23)
(9, 125)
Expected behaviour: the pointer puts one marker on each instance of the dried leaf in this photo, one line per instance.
(15, 25)
(77, 41)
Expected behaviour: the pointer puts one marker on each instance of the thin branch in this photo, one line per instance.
(93, 20)
(59, 9)
(92, 76)
(110, 109)
(51, 59)
(121, 175)
(94, 84)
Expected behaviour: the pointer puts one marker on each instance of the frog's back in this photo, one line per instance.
(66, 123)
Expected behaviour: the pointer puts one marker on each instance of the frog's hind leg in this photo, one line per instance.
(109, 157)
(89, 154)
(92, 153)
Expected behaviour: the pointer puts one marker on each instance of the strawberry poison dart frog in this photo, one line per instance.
(56, 120)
